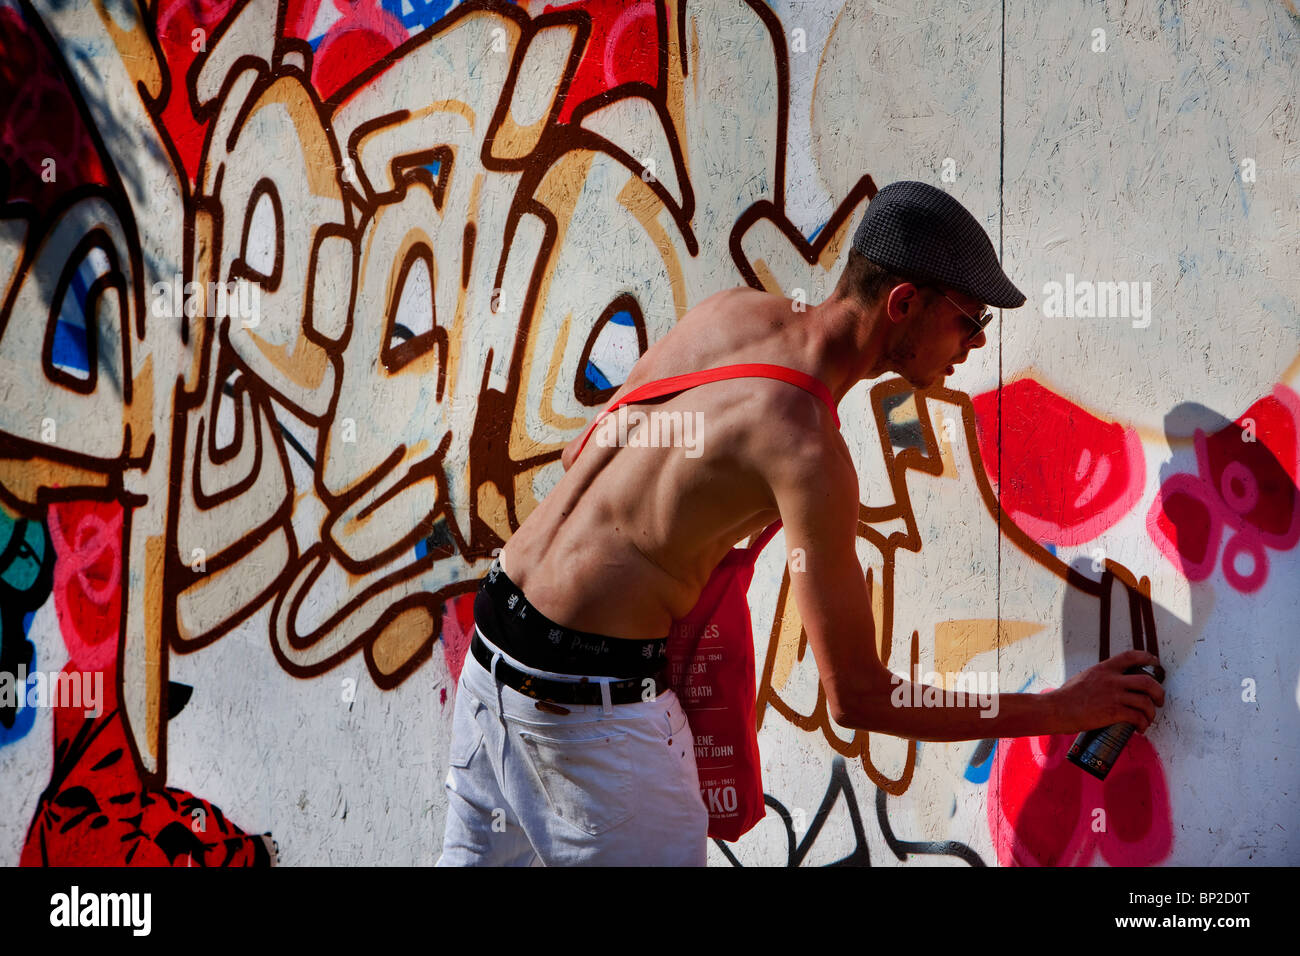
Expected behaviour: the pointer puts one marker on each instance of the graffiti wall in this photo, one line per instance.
(300, 301)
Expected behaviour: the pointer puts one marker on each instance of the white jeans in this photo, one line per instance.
(532, 788)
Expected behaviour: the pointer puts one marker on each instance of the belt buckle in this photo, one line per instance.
(547, 704)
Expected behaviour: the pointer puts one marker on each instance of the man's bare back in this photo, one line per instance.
(627, 539)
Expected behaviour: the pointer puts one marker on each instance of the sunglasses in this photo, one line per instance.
(979, 321)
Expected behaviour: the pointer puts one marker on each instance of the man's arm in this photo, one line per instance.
(816, 489)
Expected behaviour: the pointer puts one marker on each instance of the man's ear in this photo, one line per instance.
(902, 301)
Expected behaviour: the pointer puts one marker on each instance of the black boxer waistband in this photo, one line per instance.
(509, 621)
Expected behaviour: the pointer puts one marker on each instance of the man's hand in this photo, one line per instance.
(1104, 694)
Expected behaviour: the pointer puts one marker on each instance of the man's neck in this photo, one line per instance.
(849, 342)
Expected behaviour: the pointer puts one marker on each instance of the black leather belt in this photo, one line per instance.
(584, 690)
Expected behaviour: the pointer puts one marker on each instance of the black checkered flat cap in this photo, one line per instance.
(922, 233)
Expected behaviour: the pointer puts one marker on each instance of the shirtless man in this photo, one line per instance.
(625, 542)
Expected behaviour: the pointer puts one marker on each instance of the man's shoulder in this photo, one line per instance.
(795, 432)
(741, 300)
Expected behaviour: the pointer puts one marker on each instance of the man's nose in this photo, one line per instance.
(979, 341)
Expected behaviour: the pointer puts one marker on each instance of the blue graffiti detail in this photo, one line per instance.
(596, 378)
(26, 578)
(69, 347)
(417, 15)
(979, 772)
(25, 718)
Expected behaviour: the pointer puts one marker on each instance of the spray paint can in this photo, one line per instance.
(1097, 750)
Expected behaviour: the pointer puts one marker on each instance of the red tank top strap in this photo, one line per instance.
(763, 538)
(679, 383)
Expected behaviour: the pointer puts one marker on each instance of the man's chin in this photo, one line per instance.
(919, 383)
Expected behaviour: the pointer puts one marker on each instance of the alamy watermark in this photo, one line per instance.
(238, 299)
(1085, 299)
(22, 688)
(633, 428)
(131, 910)
(969, 689)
